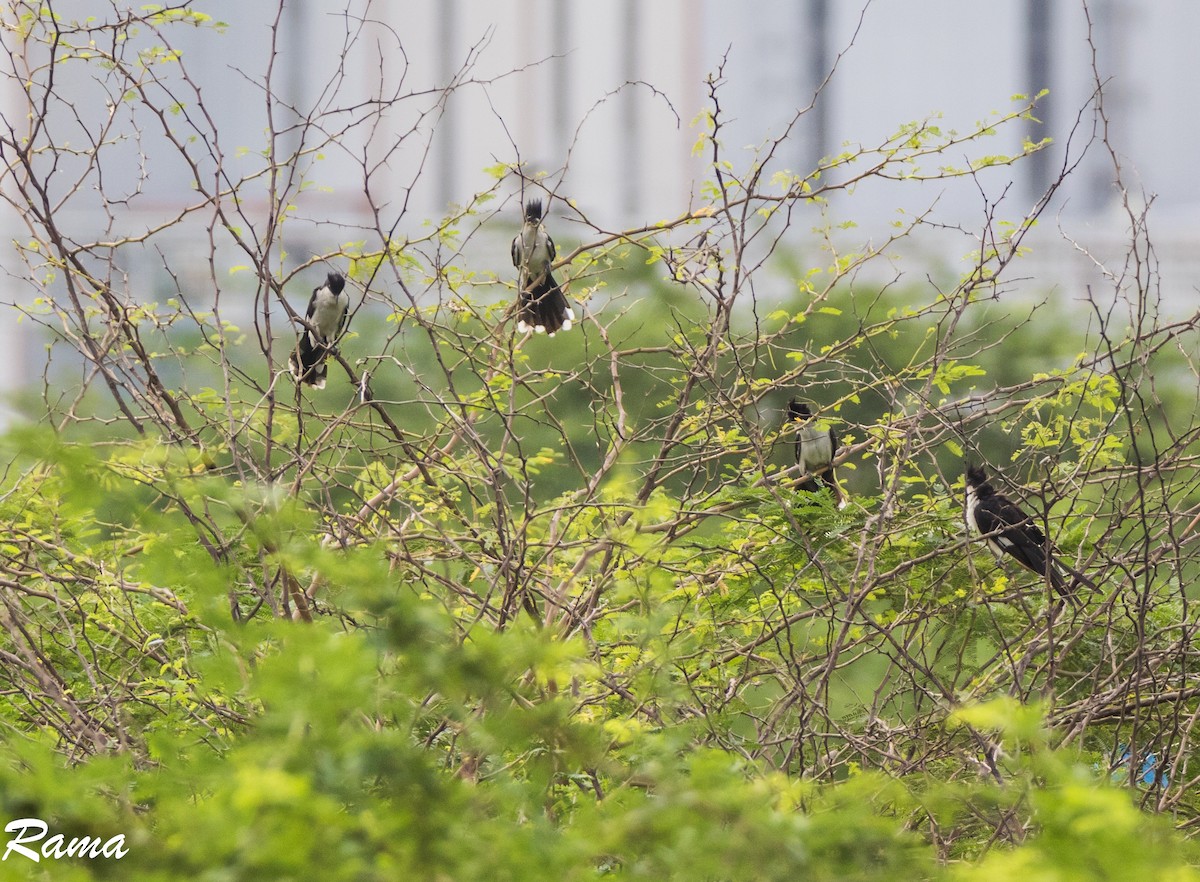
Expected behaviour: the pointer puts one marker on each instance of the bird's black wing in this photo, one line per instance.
(1011, 515)
(308, 338)
(550, 246)
(1018, 535)
(305, 360)
(828, 477)
(516, 250)
(345, 317)
(999, 513)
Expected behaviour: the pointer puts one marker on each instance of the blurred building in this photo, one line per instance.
(602, 98)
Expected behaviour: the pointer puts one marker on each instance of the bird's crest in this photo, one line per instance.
(799, 410)
(533, 210)
(335, 282)
(976, 476)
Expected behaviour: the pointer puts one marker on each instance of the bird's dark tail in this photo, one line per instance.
(543, 307)
(307, 362)
(1067, 582)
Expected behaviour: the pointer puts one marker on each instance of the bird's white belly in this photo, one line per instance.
(997, 545)
(816, 451)
(327, 316)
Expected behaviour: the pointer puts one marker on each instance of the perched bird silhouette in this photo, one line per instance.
(816, 446)
(1016, 535)
(542, 307)
(328, 312)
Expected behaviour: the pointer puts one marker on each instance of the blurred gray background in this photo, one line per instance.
(601, 97)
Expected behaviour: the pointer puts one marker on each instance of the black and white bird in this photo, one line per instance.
(1011, 531)
(541, 305)
(328, 312)
(816, 446)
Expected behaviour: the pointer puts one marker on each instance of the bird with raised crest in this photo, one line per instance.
(328, 312)
(816, 447)
(541, 305)
(1010, 531)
